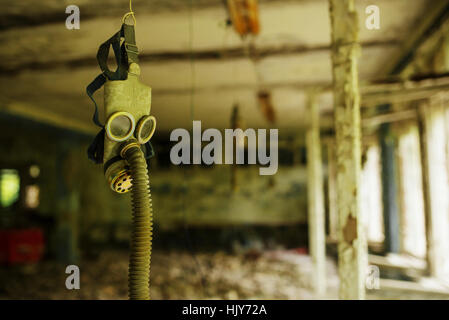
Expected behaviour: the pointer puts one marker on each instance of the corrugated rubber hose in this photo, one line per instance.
(142, 225)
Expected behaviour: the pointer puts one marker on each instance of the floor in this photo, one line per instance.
(181, 275)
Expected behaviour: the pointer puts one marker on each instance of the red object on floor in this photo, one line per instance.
(21, 246)
(301, 250)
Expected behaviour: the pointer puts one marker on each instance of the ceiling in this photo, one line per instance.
(44, 67)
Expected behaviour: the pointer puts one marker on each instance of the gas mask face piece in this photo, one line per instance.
(127, 110)
(127, 106)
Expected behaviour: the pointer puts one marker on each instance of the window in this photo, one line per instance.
(32, 189)
(9, 187)
(32, 196)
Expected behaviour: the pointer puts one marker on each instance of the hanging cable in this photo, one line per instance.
(186, 177)
(130, 13)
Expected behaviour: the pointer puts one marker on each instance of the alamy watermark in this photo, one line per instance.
(372, 22)
(372, 281)
(73, 20)
(212, 153)
(73, 280)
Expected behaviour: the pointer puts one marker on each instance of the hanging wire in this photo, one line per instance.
(192, 64)
(251, 53)
(130, 13)
(225, 47)
(189, 242)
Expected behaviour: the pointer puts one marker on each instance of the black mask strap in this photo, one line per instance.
(96, 148)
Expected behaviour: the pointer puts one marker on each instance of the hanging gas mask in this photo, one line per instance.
(127, 105)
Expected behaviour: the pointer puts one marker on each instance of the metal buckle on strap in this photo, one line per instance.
(131, 48)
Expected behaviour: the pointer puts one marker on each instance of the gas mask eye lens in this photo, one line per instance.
(145, 129)
(120, 126)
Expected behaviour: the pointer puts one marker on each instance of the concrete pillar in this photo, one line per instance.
(412, 216)
(352, 255)
(389, 190)
(316, 221)
(332, 190)
(436, 189)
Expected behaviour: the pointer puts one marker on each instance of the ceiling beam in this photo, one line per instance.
(389, 117)
(205, 55)
(394, 91)
(433, 18)
(386, 90)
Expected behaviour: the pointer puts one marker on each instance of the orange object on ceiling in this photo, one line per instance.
(266, 106)
(244, 16)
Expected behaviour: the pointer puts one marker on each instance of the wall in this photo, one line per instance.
(76, 202)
